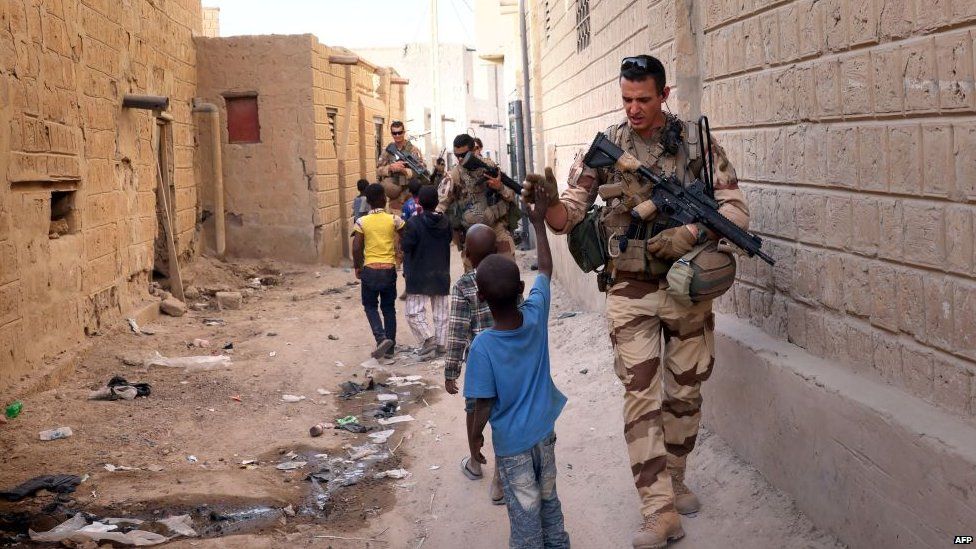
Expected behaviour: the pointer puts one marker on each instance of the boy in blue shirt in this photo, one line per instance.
(508, 376)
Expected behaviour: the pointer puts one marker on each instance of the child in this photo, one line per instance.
(508, 376)
(426, 247)
(359, 205)
(412, 206)
(374, 256)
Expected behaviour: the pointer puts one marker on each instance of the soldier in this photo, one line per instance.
(396, 176)
(660, 432)
(478, 145)
(440, 170)
(470, 197)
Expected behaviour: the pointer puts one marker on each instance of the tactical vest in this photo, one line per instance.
(473, 198)
(395, 185)
(624, 191)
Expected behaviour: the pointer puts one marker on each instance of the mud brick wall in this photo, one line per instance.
(66, 141)
(335, 193)
(851, 125)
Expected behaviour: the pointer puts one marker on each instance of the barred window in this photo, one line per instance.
(332, 113)
(548, 16)
(582, 24)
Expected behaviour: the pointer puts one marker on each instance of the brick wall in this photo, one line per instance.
(64, 67)
(851, 126)
(211, 22)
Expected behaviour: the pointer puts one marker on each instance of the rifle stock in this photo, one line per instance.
(418, 169)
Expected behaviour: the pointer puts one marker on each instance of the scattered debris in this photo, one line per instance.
(113, 468)
(370, 363)
(272, 334)
(228, 346)
(172, 307)
(190, 363)
(58, 484)
(118, 388)
(292, 398)
(229, 300)
(76, 529)
(191, 459)
(317, 430)
(323, 392)
(333, 337)
(351, 424)
(202, 343)
(291, 465)
(249, 464)
(255, 283)
(155, 468)
(569, 314)
(13, 409)
(387, 410)
(236, 397)
(351, 388)
(395, 419)
(380, 437)
(357, 453)
(273, 354)
(56, 434)
(180, 525)
(393, 473)
(387, 397)
(213, 322)
(434, 467)
(585, 371)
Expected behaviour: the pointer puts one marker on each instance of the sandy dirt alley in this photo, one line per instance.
(223, 417)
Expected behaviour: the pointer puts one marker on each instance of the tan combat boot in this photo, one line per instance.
(685, 501)
(658, 530)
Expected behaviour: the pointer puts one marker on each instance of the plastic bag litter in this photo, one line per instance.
(290, 465)
(381, 436)
(180, 524)
(393, 473)
(394, 419)
(292, 398)
(77, 529)
(190, 363)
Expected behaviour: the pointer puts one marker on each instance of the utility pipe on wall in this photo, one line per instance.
(211, 112)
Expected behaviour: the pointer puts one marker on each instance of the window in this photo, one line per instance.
(332, 113)
(64, 219)
(582, 24)
(378, 123)
(242, 119)
(548, 18)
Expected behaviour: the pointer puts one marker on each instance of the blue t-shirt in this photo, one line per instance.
(512, 366)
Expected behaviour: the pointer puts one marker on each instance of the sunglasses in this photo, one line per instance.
(460, 156)
(401, 132)
(639, 63)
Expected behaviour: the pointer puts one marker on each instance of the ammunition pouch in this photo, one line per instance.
(703, 274)
(392, 187)
(587, 242)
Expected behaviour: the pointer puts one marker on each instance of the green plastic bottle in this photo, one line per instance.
(14, 409)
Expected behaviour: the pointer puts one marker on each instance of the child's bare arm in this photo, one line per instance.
(358, 255)
(537, 214)
(477, 419)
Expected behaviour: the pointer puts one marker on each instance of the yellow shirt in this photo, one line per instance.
(379, 230)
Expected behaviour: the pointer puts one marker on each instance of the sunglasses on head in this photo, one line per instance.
(400, 132)
(639, 63)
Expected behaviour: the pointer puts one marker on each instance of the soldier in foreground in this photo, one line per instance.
(470, 197)
(662, 398)
(395, 175)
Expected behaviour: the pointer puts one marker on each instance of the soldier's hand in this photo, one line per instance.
(534, 180)
(540, 205)
(398, 166)
(495, 183)
(670, 244)
(450, 385)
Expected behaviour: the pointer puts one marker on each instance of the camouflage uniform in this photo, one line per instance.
(467, 190)
(660, 432)
(396, 183)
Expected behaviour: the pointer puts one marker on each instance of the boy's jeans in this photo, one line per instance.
(534, 512)
(379, 285)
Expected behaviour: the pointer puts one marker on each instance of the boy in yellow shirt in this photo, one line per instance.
(374, 256)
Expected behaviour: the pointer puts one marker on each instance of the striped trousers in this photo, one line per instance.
(416, 313)
(662, 398)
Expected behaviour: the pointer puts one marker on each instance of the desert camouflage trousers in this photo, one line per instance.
(662, 406)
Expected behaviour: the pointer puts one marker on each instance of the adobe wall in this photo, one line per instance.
(64, 67)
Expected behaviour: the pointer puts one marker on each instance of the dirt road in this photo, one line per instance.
(224, 417)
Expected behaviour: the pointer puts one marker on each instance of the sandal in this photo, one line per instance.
(468, 472)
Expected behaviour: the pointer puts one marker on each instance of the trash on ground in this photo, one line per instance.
(387, 397)
(190, 363)
(339, 364)
(56, 434)
(333, 337)
(434, 467)
(567, 315)
(202, 343)
(357, 453)
(317, 430)
(380, 437)
(292, 398)
(585, 371)
(77, 529)
(113, 468)
(155, 468)
(394, 419)
(13, 409)
(387, 410)
(351, 388)
(58, 484)
(370, 363)
(192, 459)
(290, 465)
(273, 354)
(323, 392)
(236, 397)
(213, 322)
(228, 346)
(180, 525)
(393, 473)
(118, 388)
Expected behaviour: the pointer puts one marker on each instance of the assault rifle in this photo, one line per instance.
(402, 156)
(472, 162)
(685, 205)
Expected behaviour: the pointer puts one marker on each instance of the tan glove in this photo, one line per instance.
(670, 244)
(549, 181)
